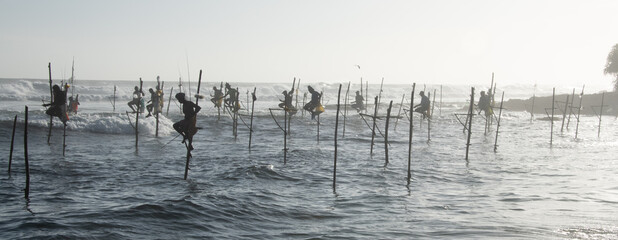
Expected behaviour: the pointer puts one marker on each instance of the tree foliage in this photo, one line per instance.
(611, 67)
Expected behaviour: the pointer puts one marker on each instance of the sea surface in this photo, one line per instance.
(536, 185)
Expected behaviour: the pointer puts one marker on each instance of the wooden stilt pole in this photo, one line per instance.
(139, 109)
(566, 107)
(64, 137)
(498, 124)
(570, 109)
(12, 141)
(169, 101)
(322, 92)
(373, 130)
(51, 99)
(236, 116)
(470, 114)
(285, 136)
(388, 116)
(601, 113)
(253, 97)
(336, 128)
(345, 108)
(361, 92)
(380, 94)
(551, 138)
(433, 104)
(399, 113)
(579, 109)
(411, 131)
(114, 103)
(366, 94)
(190, 138)
(27, 166)
(533, 98)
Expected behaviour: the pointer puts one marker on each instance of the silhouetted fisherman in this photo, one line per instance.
(135, 103)
(286, 103)
(232, 94)
(186, 127)
(58, 107)
(359, 104)
(423, 107)
(315, 102)
(154, 99)
(73, 103)
(218, 97)
(484, 104)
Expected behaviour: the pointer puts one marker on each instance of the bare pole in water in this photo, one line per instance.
(388, 116)
(579, 111)
(551, 138)
(253, 97)
(64, 137)
(12, 141)
(380, 95)
(470, 114)
(321, 97)
(399, 113)
(345, 107)
(566, 106)
(570, 109)
(373, 130)
(51, 99)
(336, 128)
(366, 94)
(498, 124)
(114, 102)
(410, 131)
(169, 100)
(601, 113)
(27, 166)
(533, 98)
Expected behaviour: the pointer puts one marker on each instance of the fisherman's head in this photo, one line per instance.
(482, 93)
(310, 89)
(214, 88)
(285, 92)
(180, 97)
(357, 92)
(150, 90)
(136, 88)
(227, 85)
(70, 98)
(56, 87)
(422, 93)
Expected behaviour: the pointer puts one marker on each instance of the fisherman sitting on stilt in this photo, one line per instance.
(286, 104)
(135, 103)
(423, 107)
(484, 104)
(359, 104)
(313, 105)
(58, 107)
(231, 102)
(186, 127)
(73, 103)
(218, 97)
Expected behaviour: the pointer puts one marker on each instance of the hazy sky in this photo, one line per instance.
(439, 41)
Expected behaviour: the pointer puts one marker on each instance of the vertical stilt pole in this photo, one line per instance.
(566, 107)
(579, 111)
(190, 138)
(27, 190)
(532, 109)
(285, 136)
(169, 101)
(64, 137)
(345, 107)
(470, 114)
(399, 113)
(253, 97)
(139, 109)
(410, 131)
(336, 128)
(12, 141)
(51, 99)
(498, 124)
(366, 94)
(114, 103)
(601, 113)
(551, 138)
(373, 130)
(388, 116)
(570, 109)
(433, 104)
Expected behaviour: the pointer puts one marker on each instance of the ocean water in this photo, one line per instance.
(105, 188)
